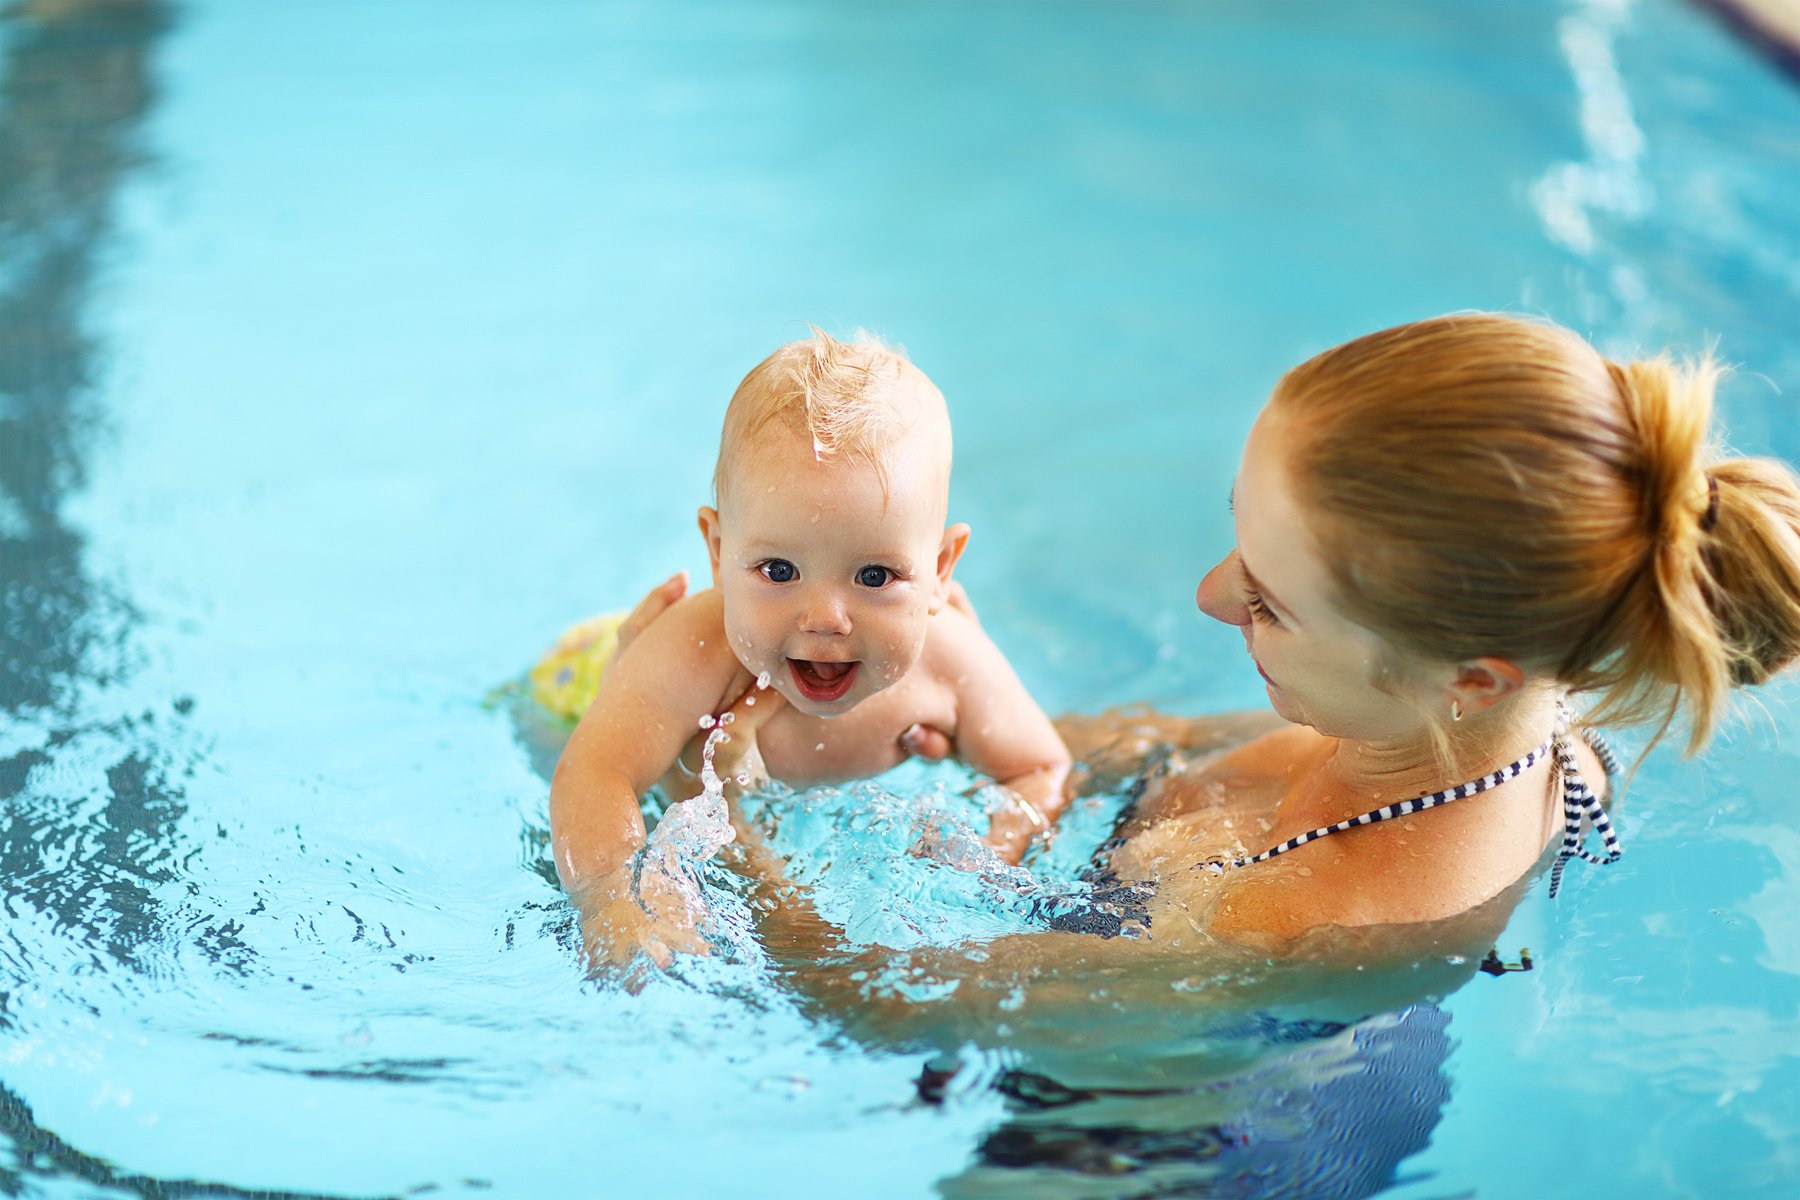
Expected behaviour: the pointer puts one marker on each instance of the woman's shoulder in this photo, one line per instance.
(1243, 774)
(1278, 749)
(1270, 759)
(1426, 866)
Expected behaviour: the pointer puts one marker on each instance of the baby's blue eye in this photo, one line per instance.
(780, 570)
(874, 577)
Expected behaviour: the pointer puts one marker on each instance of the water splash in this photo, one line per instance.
(693, 830)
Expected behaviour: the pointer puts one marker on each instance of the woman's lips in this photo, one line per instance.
(822, 681)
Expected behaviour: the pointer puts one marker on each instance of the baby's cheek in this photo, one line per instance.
(744, 645)
(891, 669)
(899, 654)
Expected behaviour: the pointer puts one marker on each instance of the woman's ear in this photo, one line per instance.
(956, 540)
(709, 529)
(1481, 683)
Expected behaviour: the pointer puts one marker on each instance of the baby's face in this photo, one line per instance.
(828, 584)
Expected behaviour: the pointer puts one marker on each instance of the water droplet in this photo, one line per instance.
(749, 701)
(762, 679)
(707, 720)
(743, 778)
(820, 746)
(728, 718)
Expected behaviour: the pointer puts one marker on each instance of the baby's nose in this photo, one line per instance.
(825, 613)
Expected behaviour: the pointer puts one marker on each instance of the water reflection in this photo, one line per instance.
(1332, 1111)
(74, 87)
(87, 802)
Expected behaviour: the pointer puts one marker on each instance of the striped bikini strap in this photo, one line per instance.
(1579, 802)
(1389, 811)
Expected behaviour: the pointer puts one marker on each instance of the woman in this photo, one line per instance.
(1447, 532)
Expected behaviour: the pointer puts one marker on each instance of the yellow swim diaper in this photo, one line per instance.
(566, 678)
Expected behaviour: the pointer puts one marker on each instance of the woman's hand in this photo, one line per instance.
(655, 602)
(923, 741)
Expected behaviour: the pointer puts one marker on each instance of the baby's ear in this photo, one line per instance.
(709, 529)
(956, 540)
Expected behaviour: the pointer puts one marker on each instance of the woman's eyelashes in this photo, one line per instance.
(1259, 608)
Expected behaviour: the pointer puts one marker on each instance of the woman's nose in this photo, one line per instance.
(1219, 596)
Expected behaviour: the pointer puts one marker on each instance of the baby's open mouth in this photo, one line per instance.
(822, 681)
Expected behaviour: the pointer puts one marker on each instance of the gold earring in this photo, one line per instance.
(1456, 710)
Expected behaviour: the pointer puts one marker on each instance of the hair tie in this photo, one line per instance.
(1712, 504)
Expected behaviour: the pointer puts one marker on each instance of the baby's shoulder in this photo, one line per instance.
(959, 658)
(954, 639)
(704, 607)
(689, 635)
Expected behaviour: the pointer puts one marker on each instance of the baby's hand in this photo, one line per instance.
(654, 904)
(619, 920)
(1012, 824)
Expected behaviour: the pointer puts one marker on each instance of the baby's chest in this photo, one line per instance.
(800, 750)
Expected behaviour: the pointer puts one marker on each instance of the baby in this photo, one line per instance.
(831, 562)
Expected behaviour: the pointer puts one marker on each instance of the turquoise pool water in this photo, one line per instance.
(348, 351)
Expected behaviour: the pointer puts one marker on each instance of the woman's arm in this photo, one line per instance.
(1053, 991)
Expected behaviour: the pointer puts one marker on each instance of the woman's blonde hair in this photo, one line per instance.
(1485, 485)
(855, 399)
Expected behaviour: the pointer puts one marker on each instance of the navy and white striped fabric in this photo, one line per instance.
(1578, 802)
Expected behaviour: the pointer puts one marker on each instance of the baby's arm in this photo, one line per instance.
(647, 709)
(1001, 732)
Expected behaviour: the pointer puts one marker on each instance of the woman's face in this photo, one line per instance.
(1320, 667)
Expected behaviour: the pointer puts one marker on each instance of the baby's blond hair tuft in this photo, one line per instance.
(853, 399)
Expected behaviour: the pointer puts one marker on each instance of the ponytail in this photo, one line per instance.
(1492, 486)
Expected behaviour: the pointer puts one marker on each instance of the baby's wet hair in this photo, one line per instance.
(852, 399)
